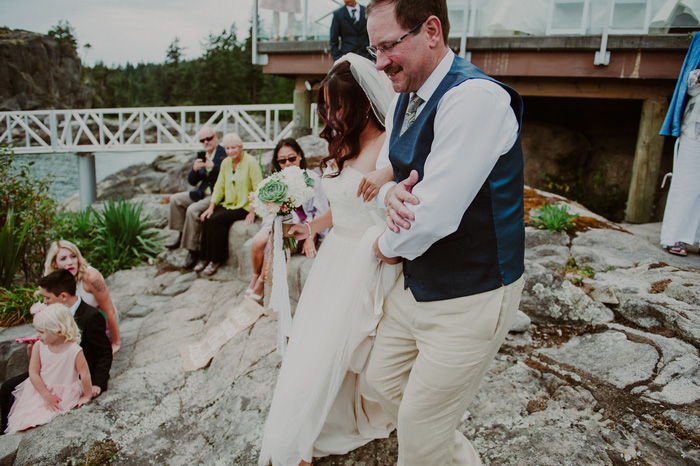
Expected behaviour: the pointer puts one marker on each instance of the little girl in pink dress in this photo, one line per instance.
(59, 379)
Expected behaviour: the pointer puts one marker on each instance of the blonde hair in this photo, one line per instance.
(232, 139)
(57, 319)
(50, 264)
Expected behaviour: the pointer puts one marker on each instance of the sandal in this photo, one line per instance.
(200, 266)
(678, 249)
(211, 268)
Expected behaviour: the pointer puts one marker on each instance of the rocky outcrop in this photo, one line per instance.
(37, 73)
(601, 366)
(568, 388)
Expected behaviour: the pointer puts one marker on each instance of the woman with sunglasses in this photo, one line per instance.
(287, 153)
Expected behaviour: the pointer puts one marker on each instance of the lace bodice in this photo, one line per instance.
(349, 211)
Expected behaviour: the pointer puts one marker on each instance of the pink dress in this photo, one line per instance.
(59, 374)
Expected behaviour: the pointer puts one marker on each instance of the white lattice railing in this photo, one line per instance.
(159, 128)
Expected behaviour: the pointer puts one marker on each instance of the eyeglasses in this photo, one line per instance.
(291, 159)
(387, 48)
(207, 139)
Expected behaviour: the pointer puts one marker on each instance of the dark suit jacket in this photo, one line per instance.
(96, 346)
(206, 180)
(346, 36)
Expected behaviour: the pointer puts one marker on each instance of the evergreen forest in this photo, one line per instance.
(222, 75)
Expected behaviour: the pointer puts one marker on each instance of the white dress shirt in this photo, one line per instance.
(75, 305)
(356, 9)
(474, 126)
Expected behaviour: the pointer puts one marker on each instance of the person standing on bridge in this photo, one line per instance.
(186, 207)
(349, 31)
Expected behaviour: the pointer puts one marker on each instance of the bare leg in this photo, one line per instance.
(257, 259)
(290, 26)
(276, 24)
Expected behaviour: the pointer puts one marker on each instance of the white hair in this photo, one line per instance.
(232, 139)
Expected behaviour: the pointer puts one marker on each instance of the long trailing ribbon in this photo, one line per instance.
(279, 295)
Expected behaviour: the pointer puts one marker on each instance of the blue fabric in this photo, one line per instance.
(672, 123)
(206, 180)
(488, 248)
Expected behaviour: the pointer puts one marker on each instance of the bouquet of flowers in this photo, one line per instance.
(281, 193)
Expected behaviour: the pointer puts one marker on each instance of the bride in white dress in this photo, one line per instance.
(322, 404)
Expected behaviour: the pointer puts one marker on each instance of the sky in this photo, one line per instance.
(135, 31)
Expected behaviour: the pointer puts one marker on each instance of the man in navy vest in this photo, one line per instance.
(455, 218)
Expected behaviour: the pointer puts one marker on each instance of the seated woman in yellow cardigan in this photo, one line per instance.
(239, 175)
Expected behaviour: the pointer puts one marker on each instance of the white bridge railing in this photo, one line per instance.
(126, 129)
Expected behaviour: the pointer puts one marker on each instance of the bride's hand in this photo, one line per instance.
(309, 248)
(372, 182)
(378, 254)
(299, 232)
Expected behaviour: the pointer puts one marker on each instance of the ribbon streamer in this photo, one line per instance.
(279, 295)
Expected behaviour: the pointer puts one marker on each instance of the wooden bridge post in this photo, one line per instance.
(647, 160)
(302, 109)
(87, 180)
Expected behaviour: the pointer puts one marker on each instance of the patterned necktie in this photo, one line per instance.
(411, 112)
(354, 15)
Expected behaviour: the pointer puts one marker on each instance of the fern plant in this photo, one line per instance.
(553, 218)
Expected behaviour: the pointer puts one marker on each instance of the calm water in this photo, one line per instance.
(64, 167)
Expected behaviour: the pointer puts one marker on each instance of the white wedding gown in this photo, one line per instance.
(322, 404)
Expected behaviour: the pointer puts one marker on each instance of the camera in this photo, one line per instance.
(201, 155)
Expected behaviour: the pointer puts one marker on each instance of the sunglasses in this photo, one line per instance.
(291, 159)
(207, 139)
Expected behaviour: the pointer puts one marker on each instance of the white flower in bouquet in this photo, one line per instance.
(282, 192)
(299, 186)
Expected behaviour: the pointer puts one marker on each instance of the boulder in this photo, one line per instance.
(550, 298)
(607, 249)
(655, 294)
(633, 362)
(13, 356)
(314, 149)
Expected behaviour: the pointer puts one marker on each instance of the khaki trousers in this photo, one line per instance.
(184, 216)
(427, 363)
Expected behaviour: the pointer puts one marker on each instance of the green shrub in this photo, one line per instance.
(15, 304)
(29, 199)
(115, 239)
(77, 227)
(596, 194)
(553, 218)
(12, 242)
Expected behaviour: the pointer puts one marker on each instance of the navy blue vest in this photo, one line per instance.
(488, 248)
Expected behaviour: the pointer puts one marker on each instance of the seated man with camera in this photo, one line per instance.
(187, 206)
